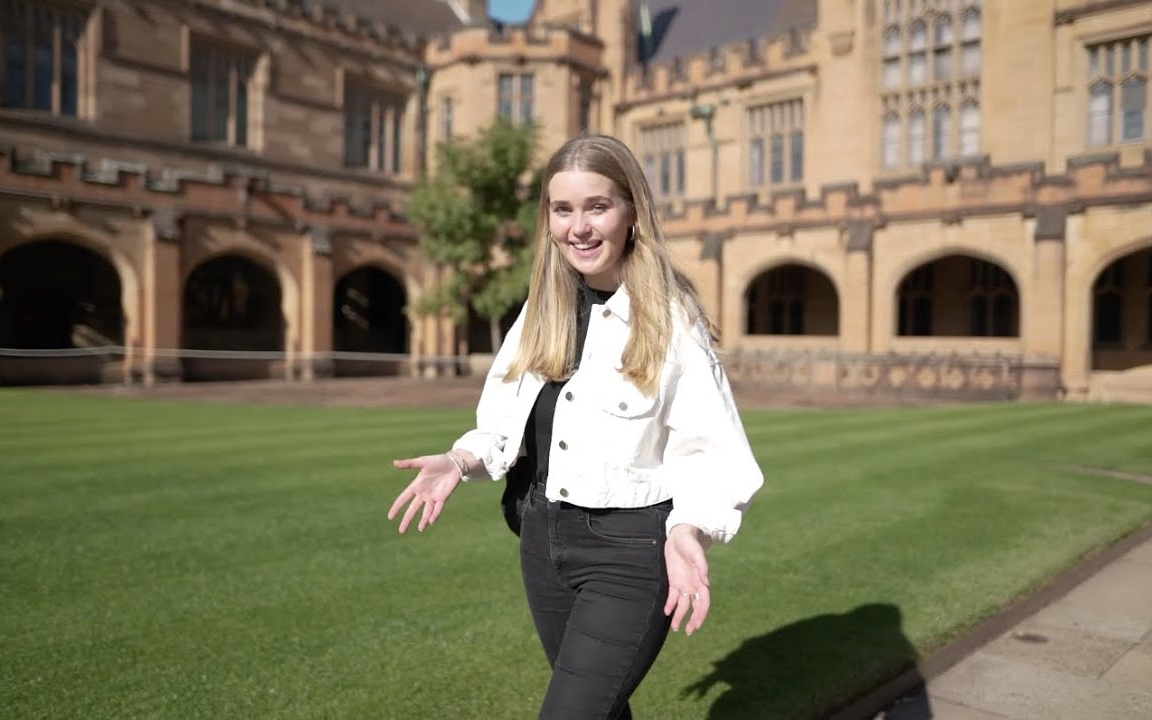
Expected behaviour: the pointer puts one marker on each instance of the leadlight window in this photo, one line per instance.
(930, 81)
(1118, 108)
(39, 44)
(662, 156)
(776, 143)
(373, 127)
(516, 96)
(221, 79)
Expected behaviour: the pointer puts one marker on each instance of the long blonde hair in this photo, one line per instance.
(548, 341)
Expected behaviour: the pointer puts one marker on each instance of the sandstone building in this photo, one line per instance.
(923, 197)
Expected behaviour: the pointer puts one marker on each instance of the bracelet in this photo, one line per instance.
(459, 465)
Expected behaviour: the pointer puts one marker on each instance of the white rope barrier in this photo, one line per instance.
(112, 351)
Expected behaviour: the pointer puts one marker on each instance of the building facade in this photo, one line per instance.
(921, 197)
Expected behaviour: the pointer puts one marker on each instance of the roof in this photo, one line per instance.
(688, 27)
(424, 18)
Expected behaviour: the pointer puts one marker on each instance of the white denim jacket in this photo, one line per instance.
(614, 447)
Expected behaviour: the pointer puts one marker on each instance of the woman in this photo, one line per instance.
(608, 397)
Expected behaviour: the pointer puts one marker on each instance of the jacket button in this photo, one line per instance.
(563, 492)
(563, 445)
(607, 312)
(623, 406)
(568, 396)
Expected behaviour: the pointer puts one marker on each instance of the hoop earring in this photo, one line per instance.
(631, 234)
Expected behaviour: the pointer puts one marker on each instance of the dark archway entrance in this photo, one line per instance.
(232, 304)
(1122, 313)
(368, 316)
(958, 296)
(56, 295)
(792, 300)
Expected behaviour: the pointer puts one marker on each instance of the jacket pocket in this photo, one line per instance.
(622, 399)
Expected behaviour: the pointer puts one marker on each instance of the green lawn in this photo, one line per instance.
(166, 560)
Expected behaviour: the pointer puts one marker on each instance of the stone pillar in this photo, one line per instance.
(1076, 301)
(855, 294)
(1042, 317)
(316, 290)
(163, 299)
(710, 284)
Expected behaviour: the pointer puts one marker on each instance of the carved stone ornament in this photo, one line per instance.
(321, 242)
(841, 42)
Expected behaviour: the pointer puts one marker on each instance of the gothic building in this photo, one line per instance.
(920, 197)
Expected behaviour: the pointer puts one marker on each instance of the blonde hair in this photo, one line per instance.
(548, 340)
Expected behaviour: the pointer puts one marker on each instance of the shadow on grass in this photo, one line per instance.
(816, 667)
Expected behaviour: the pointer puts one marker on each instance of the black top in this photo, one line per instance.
(538, 431)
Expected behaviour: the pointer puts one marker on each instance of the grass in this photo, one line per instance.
(165, 560)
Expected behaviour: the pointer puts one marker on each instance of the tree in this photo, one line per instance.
(476, 215)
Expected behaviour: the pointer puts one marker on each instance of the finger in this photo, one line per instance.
(682, 605)
(410, 514)
(402, 498)
(701, 603)
(673, 598)
(436, 511)
(416, 462)
(429, 507)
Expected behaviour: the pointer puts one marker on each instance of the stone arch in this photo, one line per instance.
(926, 288)
(1119, 303)
(60, 294)
(791, 298)
(369, 315)
(73, 231)
(232, 302)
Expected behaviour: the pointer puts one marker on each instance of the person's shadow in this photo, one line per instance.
(821, 667)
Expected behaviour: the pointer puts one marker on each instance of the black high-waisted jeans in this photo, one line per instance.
(596, 584)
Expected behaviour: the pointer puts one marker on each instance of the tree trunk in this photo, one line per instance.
(494, 333)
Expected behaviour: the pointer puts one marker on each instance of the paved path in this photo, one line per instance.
(1086, 655)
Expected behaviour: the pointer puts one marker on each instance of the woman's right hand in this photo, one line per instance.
(437, 478)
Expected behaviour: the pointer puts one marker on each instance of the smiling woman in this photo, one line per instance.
(608, 411)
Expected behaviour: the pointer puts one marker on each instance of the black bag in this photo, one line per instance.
(517, 483)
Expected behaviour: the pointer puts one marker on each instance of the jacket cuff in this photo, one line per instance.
(486, 448)
(719, 524)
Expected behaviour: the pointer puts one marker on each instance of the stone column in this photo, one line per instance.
(1076, 312)
(710, 284)
(316, 290)
(1042, 316)
(163, 298)
(855, 299)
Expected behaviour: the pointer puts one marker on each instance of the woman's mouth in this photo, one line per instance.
(586, 245)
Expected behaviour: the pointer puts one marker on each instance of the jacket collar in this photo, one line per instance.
(620, 304)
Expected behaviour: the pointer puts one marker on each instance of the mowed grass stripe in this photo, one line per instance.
(250, 441)
(269, 584)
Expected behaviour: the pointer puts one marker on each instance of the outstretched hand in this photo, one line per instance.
(437, 478)
(687, 578)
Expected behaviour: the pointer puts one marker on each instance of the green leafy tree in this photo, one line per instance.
(477, 215)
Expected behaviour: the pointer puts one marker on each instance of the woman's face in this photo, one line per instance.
(589, 223)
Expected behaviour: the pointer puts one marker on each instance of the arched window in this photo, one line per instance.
(891, 149)
(969, 129)
(941, 132)
(931, 57)
(917, 130)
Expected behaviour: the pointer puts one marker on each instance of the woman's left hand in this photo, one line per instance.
(687, 578)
